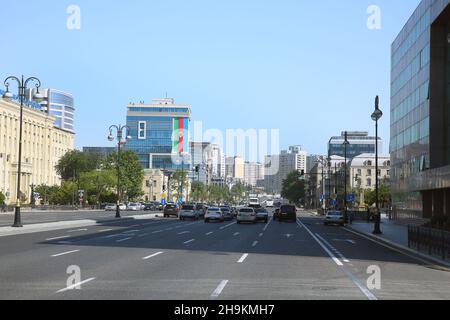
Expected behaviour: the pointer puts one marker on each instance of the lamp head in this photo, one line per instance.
(110, 137)
(377, 114)
(38, 97)
(7, 94)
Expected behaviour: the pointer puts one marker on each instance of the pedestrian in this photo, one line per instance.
(351, 217)
(3, 206)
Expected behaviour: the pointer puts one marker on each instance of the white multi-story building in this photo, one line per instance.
(362, 171)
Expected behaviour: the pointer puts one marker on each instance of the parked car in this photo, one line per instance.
(214, 213)
(149, 207)
(262, 215)
(134, 206)
(170, 209)
(226, 211)
(112, 207)
(287, 212)
(188, 211)
(201, 209)
(246, 215)
(334, 217)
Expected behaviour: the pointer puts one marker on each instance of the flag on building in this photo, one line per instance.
(180, 136)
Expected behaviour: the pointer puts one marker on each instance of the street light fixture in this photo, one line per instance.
(376, 115)
(22, 87)
(119, 134)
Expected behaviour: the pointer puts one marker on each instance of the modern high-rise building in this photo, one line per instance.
(253, 171)
(277, 167)
(160, 134)
(359, 143)
(59, 104)
(235, 168)
(420, 120)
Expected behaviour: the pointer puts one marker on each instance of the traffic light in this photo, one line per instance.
(197, 168)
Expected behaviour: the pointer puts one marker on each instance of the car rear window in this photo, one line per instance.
(335, 213)
(246, 210)
(287, 209)
(170, 206)
(188, 207)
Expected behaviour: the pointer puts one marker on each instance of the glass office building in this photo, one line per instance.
(160, 133)
(359, 143)
(420, 116)
(59, 104)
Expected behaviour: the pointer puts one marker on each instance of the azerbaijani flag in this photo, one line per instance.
(180, 135)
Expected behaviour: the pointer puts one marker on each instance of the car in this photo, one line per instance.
(253, 202)
(262, 215)
(149, 207)
(226, 211)
(276, 213)
(112, 207)
(269, 203)
(246, 215)
(188, 211)
(201, 209)
(287, 212)
(214, 213)
(134, 206)
(334, 217)
(170, 209)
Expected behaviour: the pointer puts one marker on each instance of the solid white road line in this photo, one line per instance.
(134, 226)
(64, 253)
(64, 242)
(77, 230)
(254, 243)
(265, 228)
(75, 285)
(152, 255)
(189, 241)
(221, 228)
(105, 230)
(332, 256)
(184, 232)
(56, 238)
(236, 234)
(261, 234)
(244, 256)
(158, 231)
(143, 235)
(131, 231)
(336, 251)
(209, 233)
(352, 277)
(219, 289)
(122, 240)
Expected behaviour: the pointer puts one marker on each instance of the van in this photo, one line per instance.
(287, 212)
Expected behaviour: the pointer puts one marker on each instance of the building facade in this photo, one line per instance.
(253, 171)
(420, 121)
(277, 167)
(359, 142)
(362, 171)
(160, 134)
(235, 169)
(59, 104)
(43, 145)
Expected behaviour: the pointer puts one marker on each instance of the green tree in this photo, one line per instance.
(75, 162)
(198, 190)
(237, 192)
(384, 196)
(131, 173)
(96, 184)
(2, 198)
(293, 188)
(178, 181)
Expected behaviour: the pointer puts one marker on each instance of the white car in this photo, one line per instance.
(269, 203)
(214, 213)
(112, 207)
(246, 215)
(134, 206)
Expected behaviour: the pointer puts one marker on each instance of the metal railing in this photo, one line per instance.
(434, 242)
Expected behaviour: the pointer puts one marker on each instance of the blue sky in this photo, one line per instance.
(310, 68)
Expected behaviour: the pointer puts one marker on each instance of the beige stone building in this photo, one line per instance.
(43, 145)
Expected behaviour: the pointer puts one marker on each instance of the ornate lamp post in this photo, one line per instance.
(119, 134)
(376, 115)
(22, 84)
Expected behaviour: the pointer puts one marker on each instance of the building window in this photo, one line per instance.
(369, 183)
(369, 172)
(142, 130)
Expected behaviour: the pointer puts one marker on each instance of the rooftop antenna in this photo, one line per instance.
(166, 94)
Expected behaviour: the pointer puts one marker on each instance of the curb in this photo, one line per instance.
(400, 247)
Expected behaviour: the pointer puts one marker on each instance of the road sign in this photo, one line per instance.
(334, 196)
(81, 192)
(351, 197)
(333, 202)
(322, 197)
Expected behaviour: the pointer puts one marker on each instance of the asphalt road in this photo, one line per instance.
(170, 259)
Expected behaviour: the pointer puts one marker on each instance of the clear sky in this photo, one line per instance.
(310, 68)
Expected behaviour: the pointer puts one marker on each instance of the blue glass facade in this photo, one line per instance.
(151, 131)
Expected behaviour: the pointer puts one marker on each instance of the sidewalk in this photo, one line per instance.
(393, 234)
(49, 226)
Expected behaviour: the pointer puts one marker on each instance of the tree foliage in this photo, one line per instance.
(75, 162)
(293, 188)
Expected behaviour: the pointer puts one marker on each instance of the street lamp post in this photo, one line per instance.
(119, 135)
(22, 87)
(376, 115)
(346, 143)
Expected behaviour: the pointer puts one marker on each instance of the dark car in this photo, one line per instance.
(149, 207)
(170, 210)
(287, 212)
